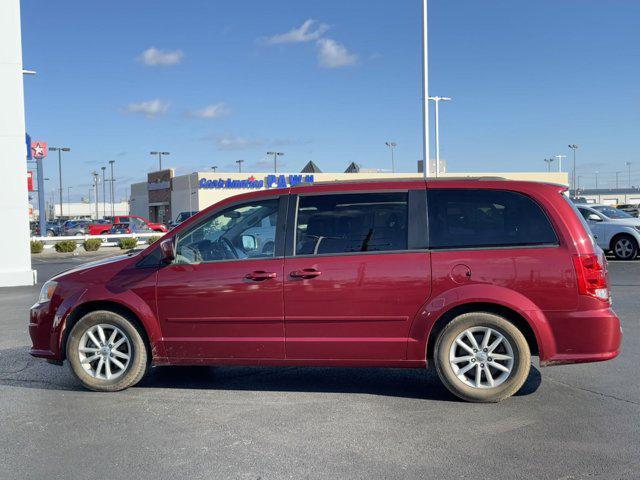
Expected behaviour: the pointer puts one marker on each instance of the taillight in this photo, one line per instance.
(127, 231)
(592, 276)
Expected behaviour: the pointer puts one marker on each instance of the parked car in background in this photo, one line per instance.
(104, 228)
(632, 209)
(134, 225)
(473, 277)
(182, 216)
(54, 228)
(614, 230)
(76, 227)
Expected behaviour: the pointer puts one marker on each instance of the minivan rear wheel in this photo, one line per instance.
(625, 247)
(106, 352)
(482, 357)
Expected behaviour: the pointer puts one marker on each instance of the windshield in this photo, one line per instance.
(611, 212)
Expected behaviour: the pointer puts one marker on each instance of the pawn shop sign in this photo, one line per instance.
(39, 149)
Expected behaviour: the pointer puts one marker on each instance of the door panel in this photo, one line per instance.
(356, 307)
(213, 310)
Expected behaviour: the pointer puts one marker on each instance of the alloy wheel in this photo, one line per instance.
(481, 357)
(624, 248)
(105, 352)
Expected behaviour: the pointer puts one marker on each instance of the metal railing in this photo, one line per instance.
(108, 240)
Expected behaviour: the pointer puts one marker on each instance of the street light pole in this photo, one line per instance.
(617, 183)
(560, 158)
(437, 101)
(597, 180)
(96, 180)
(239, 162)
(425, 92)
(275, 160)
(548, 161)
(160, 154)
(214, 168)
(628, 164)
(60, 150)
(574, 148)
(111, 189)
(104, 192)
(392, 146)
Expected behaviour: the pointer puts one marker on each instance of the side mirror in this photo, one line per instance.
(167, 251)
(249, 243)
(594, 218)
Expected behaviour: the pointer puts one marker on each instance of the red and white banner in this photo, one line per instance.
(30, 181)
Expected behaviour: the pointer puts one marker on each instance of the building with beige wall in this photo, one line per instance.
(163, 200)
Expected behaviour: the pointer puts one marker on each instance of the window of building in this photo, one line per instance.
(241, 232)
(486, 218)
(351, 223)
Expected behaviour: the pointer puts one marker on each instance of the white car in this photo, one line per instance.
(615, 231)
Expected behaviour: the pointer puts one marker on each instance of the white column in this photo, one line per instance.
(15, 267)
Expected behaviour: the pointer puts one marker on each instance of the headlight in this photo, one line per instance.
(47, 291)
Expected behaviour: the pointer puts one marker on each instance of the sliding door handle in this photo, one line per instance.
(306, 273)
(260, 276)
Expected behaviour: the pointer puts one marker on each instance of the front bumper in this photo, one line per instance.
(42, 331)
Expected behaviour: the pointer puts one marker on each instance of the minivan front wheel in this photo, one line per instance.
(106, 352)
(482, 357)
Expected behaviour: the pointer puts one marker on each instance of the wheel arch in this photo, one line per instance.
(507, 313)
(616, 236)
(106, 305)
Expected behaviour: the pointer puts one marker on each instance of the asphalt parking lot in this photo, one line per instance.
(568, 422)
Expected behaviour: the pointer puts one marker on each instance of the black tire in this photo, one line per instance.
(138, 362)
(521, 358)
(625, 247)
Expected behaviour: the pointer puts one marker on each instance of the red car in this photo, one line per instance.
(104, 228)
(470, 276)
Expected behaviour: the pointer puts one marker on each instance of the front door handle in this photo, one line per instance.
(260, 276)
(306, 273)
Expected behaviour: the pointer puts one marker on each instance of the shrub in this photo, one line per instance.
(152, 240)
(66, 246)
(92, 245)
(127, 243)
(36, 246)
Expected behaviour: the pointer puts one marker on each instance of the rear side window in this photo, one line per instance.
(350, 223)
(486, 218)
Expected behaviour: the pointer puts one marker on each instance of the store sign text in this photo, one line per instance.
(271, 181)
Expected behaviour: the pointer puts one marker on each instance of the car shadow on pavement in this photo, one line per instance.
(18, 368)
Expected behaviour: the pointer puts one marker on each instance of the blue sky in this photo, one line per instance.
(331, 81)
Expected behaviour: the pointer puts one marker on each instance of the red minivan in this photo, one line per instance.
(472, 276)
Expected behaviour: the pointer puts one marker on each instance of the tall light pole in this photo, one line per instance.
(111, 189)
(548, 161)
(214, 168)
(96, 180)
(560, 158)
(425, 91)
(275, 160)
(628, 164)
(617, 182)
(160, 155)
(60, 150)
(69, 200)
(392, 146)
(597, 180)
(574, 148)
(104, 191)
(437, 101)
(239, 162)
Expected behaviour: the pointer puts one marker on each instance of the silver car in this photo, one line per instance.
(615, 231)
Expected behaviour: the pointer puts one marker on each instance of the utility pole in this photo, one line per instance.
(239, 162)
(111, 185)
(160, 154)
(104, 192)
(425, 92)
(392, 146)
(574, 147)
(437, 101)
(60, 150)
(275, 159)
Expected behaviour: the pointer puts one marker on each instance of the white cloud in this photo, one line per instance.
(151, 108)
(217, 110)
(233, 142)
(332, 54)
(154, 57)
(304, 33)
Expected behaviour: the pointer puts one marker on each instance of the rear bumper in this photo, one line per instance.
(586, 336)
